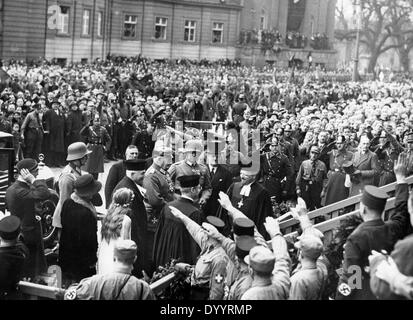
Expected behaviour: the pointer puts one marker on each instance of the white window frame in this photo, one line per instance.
(99, 30)
(161, 22)
(218, 26)
(190, 30)
(132, 20)
(86, 22)
(64, 20)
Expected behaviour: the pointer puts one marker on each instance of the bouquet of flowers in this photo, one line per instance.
(281, 208)
(180, 287)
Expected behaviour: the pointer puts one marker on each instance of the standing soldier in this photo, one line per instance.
(20, 200)
(159, 190)
(409, 153)
(310, 179)
(190, 166)
(335, 189)
(32, 133)
(54, 122)
(77, 155)
(387, 152)
(73, 124)
(373, 234)
(275, 167)
(98, 141)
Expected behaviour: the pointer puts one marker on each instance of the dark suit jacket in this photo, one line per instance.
(20, 199)
(220, 181)
(139, 220)
(374, 235)
(116, 174)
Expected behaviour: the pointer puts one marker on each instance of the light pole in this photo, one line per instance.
(357, 3)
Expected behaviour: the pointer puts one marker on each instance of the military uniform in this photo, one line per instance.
(310, 179)
(275, 167)
(184, 168)
(159, 188)
(210, 271)
(371, 235)
(97, 140)
(32, 130)
(409, 154)
(335, 189)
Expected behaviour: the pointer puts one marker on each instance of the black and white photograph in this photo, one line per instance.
(206, 154)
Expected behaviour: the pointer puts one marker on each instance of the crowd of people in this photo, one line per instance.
(269, 39)
(204, 154)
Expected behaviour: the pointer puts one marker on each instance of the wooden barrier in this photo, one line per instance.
(160, 285)
(332, 209)
(331, 224)
(35, 291)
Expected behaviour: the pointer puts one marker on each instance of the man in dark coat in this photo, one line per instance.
(335, 189)
(135, 172)
(73, 124)
(221, 177)
(20, 201)
(172, 240)
(366, 165)
(373, 234)
(117, 172)
(54, 125)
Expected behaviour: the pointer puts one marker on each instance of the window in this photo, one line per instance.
(64, 19)
(160, 28)
(129, 27)
(262, 23)
(189, 32)
(86, 22)
(100, 24)
(262, 20)
(217, 32)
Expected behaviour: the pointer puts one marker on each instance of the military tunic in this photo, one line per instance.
(310, 179)
(210, 270)
(335, 189)
(275, 167)
(159, 188)
(98, 141)
(371, 235)
(184, 168)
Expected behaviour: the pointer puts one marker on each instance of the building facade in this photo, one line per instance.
(83, 30)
